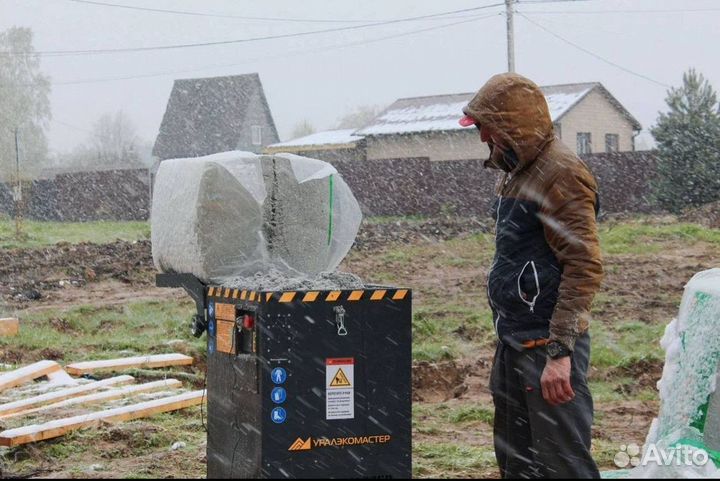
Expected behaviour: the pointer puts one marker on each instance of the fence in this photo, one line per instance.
(84, 196)
(409, 186)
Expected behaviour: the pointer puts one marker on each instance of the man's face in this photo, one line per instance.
(491, 137)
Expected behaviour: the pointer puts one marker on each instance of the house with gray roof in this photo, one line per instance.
(330, 146)
(586, 117)
(210, 115)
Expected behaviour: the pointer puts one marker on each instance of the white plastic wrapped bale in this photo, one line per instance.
(237, 214)
(688, 418)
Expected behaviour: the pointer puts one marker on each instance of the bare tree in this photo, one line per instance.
(303, 128)
(359, 117)
(113, 140)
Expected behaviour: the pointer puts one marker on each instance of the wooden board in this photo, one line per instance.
(9, 326)
(27, 374)
(57, 396)
(226, 312)
(225, 337)
(145, 362)
(104, 396)
(60, 427)
(61, 378)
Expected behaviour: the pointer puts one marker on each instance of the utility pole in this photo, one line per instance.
(510, 34)
(18, 190)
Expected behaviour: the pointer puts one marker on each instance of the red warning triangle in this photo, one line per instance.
(340, 380)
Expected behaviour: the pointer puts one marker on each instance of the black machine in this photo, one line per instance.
(305, 384)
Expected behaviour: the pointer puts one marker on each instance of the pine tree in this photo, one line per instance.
(688, 138)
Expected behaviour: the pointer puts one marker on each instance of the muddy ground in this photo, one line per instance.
(641, 288)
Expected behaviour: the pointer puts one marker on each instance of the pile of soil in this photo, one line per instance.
(373, 235)
(26, 273)
(438, 381)
(707, 215)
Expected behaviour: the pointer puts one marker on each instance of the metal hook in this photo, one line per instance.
(340, 320)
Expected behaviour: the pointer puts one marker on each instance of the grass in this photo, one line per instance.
(472, 251)
(106, 332)
(136, 449)
(624, 345)
(451, 460)
(469, 414)
(44, 234)
(643, 238)
(444, 332)
(633, 237)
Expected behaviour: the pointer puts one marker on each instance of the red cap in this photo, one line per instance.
(467, 121)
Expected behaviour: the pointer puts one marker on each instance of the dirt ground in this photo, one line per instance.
(642, 288)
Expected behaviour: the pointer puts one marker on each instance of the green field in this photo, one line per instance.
(43, 234)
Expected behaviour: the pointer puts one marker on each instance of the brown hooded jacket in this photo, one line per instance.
(547, 248)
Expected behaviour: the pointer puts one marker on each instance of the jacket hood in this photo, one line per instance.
(516, 108)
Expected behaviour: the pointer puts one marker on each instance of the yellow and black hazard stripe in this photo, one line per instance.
(372, 295)
(237, 294)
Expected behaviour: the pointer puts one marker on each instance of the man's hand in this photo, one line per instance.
(555, 381)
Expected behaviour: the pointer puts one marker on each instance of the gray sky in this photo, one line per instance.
(320, 77)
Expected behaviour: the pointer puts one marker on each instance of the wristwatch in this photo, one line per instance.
(555, 350)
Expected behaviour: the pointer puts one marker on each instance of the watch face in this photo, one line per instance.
(554, 350)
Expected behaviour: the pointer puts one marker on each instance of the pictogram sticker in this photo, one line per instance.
(339, 388)
(340, 380)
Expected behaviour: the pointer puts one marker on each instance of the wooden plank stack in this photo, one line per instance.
(90, 393)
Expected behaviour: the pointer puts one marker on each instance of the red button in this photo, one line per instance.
(248, 321)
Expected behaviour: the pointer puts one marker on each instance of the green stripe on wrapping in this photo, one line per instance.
(698, 422)
(714, 455)
(330, 215)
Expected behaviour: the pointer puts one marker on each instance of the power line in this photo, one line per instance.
(551, 1)
(591, 12)
(284, 55)
(583, 49)
(68, 125)
(248, 40)
(221, 15)
(213, 15)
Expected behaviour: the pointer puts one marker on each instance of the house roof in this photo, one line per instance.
(442, 112)
(206, 115)
(319, 140)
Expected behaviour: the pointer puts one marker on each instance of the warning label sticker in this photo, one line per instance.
(340, 388)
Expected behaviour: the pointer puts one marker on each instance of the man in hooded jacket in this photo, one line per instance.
(546, 271)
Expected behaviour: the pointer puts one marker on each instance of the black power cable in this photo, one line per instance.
(55, 53)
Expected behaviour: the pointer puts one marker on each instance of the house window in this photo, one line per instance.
(257, 135)
(584, 143)
(612, 142)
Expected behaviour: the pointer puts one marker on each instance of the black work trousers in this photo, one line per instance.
(532, 438)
